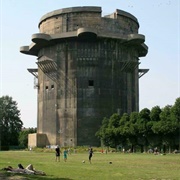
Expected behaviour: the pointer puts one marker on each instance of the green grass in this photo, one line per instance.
(124, 166)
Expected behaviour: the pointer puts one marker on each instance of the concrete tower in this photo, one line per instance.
(87, 69)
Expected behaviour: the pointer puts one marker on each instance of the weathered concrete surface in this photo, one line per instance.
(88, 69)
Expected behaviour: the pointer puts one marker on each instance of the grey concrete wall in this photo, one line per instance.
(88, 69)
(66, 21)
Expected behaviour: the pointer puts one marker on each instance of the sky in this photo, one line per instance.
(159, 21)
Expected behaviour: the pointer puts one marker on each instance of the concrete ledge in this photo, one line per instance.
(39, 37)
(86, 33)
(144, 46)
(143, 50)
(136, 38)
(26, 50)
(41, 40)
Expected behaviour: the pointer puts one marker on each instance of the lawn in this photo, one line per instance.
(123, 166)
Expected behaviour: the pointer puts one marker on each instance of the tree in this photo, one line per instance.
(23, 137)
(166, 127)
(125, 132)
(133, 130)
(155, 112)
(158, 127)
(102, 132)
(108, 132)
(176, 119)
(10, 122)
(176, 109)
(142, 128)
(113, 130)
(154, 138)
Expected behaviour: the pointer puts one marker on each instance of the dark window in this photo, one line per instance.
(46, 87)
(52, 86)
(91, 83)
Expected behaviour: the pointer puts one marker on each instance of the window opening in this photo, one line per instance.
(52, 86)
(91, 83)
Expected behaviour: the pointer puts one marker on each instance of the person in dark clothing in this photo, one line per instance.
(90, 154)
(57, 150)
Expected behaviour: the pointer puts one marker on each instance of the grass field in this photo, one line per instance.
(123, 167)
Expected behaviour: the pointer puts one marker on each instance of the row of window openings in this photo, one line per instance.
(52, 87)
(90, 83)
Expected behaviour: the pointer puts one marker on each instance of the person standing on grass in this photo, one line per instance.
(57, 150)
(90, 154)
(65, 155)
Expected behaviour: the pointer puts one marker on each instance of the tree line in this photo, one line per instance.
(11, 132)
(144, 129)
(158, 127)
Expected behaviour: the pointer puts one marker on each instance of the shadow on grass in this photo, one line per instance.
(17, 176)
(46, 178)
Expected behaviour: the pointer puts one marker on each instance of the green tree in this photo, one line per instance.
(133, 130)
(112, 130)
(142, 128)
(23, 136)
(114, 120)
(166, 127)
(158, 127)
(176, 119)
(108, 132)
(10, 122)
(176, 109)
(155, 113)
(154, 138)
(102, 132)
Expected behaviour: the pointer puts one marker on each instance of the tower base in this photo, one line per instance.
(37, 140)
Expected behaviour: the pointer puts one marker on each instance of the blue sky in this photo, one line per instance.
(159, 21)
